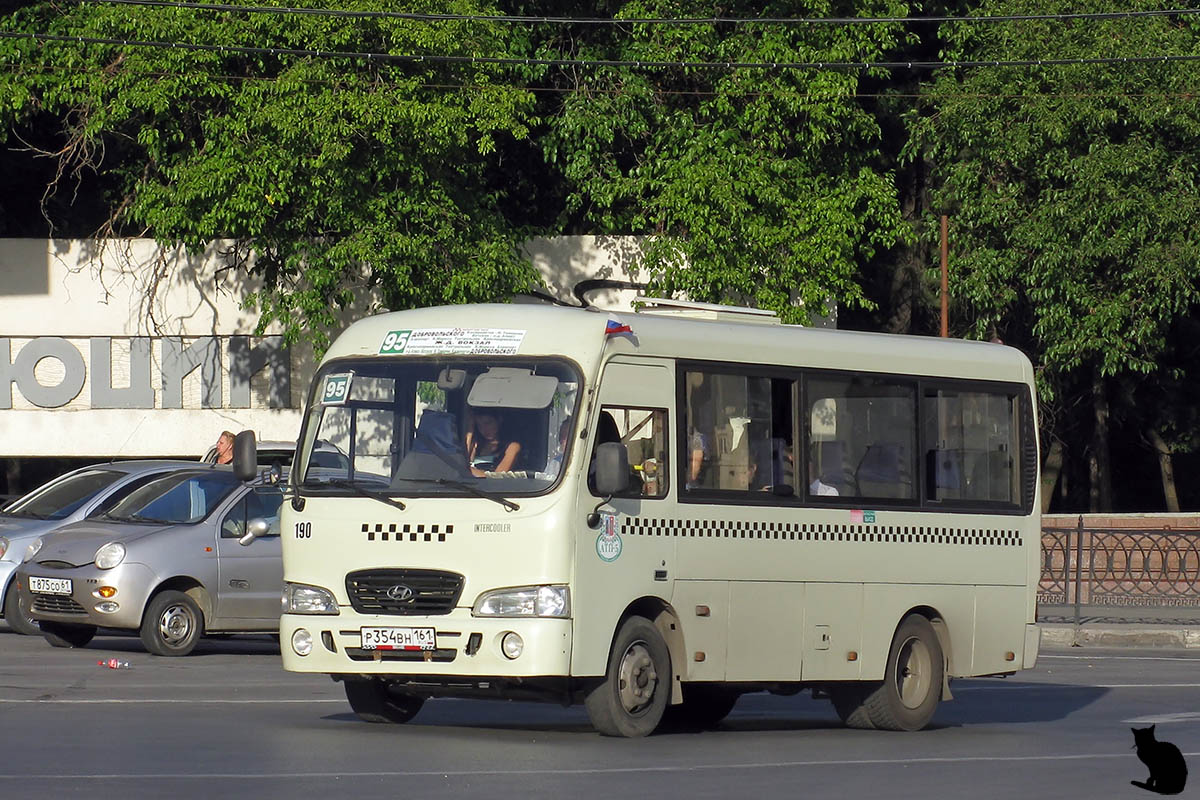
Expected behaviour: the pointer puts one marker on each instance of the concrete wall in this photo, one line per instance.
(123, 350)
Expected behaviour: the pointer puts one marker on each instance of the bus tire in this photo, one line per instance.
(61, 634)
(849, 701)
(912, 684)
(637, 684)
(703, 706)
(372, 700)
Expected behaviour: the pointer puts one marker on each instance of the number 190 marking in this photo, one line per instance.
(303, 530)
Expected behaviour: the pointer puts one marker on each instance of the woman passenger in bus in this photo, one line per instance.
(486, 449)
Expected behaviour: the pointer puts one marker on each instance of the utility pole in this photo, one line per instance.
(945, 276)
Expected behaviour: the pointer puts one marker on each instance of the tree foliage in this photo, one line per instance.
(1073, 188)
(763, 182)
(333, 175)
(1073, 194)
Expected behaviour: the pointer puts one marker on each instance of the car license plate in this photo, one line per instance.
(50, 585)
(398, 638)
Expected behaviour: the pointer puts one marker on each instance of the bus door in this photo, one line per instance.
(630, 554)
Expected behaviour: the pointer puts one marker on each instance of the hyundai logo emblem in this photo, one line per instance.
(401, 593)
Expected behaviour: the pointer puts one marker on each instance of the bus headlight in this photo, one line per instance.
(525, 601)
(300, 598)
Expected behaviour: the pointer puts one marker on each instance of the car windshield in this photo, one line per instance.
(177, 498)
(62, 496)
(446, 425)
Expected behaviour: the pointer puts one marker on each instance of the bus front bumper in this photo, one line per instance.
(464, 646)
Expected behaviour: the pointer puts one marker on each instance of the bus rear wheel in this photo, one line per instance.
(372, 700)
(911, 688)
(637, 685)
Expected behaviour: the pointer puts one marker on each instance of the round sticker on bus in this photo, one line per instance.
(608, 543)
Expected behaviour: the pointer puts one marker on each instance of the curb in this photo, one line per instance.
(1059, 635)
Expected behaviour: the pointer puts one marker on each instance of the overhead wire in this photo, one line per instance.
(576, 62)
(540, 19)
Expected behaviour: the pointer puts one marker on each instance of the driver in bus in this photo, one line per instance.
(487, 448)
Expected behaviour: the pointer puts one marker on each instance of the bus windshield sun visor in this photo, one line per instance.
(509, 387)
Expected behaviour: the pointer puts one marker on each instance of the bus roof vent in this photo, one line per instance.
(685, 308)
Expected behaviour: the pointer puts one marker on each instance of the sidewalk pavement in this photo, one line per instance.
(1120, 626)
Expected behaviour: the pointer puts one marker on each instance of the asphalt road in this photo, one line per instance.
(227, 722)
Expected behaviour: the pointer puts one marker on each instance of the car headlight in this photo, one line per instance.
(110, 555)
(525, 601)
(300, 598)
(33, 549)
(3, 546)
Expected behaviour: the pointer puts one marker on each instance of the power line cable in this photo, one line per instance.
(572, 62)
(841, 21)
(781, 91)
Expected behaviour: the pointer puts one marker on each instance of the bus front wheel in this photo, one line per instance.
(372, 700)
(911, 688)
(637, 685)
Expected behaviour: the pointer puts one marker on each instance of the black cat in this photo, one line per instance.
(1168, 772)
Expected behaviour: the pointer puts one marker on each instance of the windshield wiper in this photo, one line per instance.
(469, 489)
(140, 518)
(354, 487)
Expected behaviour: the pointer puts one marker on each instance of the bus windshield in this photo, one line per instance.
(442, 425)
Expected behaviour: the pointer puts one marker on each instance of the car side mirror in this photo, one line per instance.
(245, 456)
(257, 529)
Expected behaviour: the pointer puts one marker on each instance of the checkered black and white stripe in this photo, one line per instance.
(806, 532)
(412, 532)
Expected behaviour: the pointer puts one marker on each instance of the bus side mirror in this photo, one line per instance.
(245, 456)
(612, 469)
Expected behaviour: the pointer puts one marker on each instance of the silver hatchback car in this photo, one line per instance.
(192, 552)
(68, 498)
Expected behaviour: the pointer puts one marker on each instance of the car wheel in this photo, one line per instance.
(172, 624)
(17, 619)
(372, 700)
(61, 634)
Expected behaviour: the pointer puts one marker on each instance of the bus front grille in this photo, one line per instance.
(407, 592)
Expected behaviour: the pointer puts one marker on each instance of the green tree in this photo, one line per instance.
(1073, 195)
(333, 176)
(749, 183)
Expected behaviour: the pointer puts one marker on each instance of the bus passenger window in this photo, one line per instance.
(971, 439)
(739, 433)
(863, 435)
(643, 431)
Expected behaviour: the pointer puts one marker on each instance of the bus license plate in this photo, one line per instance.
(398, 638)
(50, 585)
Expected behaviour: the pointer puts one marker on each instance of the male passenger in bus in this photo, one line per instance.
(702, 425)
(818, 487)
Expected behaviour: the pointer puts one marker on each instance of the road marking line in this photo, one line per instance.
(152, 701)
(1069, 686)
(1154, 719)
(1042, 656)
(578, 771)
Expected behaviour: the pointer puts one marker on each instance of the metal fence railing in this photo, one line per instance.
(1119, 571)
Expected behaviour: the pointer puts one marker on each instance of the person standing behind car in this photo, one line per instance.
(225, 448)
